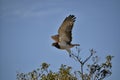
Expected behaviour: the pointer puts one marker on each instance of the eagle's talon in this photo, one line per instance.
(70, 55)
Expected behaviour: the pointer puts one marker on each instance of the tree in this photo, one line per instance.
(95, 70)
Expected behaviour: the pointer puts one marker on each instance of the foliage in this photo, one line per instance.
(42, 73)
(94, 71)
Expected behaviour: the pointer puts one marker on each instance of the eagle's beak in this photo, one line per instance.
(52, 44)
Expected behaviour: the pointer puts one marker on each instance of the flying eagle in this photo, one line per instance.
(64, 37)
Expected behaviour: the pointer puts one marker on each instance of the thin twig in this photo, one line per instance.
(87, 58)
(77, 58)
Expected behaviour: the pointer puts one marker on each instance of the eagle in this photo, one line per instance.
(64, 37)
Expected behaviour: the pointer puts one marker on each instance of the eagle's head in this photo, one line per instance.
(56, 45)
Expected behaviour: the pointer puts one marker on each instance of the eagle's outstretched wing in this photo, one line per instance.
(65, 30)
(55, 38)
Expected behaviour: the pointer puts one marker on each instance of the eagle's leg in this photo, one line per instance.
(69, 51)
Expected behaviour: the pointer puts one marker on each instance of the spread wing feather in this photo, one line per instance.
(65, 30)
(55, 38)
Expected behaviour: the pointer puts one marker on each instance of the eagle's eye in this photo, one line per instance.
(53, 44)
(56, 45)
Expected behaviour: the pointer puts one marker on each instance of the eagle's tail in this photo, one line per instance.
(76, 44)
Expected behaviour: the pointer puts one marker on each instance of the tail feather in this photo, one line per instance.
(76, 44)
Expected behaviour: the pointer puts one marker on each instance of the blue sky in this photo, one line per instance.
(26, 27)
